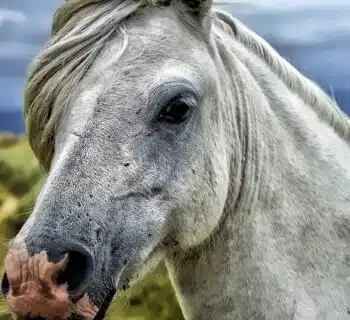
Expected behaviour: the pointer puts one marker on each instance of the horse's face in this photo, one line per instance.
(140, 165)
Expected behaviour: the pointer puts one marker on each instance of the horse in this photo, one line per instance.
(170, 131)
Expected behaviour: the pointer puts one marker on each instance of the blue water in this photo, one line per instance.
(313, 35)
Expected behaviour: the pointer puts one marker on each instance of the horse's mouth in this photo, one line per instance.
(43, 297)
(99, 316)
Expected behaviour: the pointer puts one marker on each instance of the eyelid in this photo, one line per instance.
(189, 99)
(161, 96)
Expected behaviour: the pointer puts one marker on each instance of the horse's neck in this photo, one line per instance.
(282, 251)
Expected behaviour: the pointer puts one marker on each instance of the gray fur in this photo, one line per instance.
(248, 202)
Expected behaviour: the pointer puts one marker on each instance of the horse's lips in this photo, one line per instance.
(99, 316)
(70, 318)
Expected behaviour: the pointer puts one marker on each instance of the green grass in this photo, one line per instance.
(20, 183)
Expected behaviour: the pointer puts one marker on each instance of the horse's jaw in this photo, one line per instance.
(105, 305)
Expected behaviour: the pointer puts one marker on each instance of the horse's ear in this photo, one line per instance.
(196, 8)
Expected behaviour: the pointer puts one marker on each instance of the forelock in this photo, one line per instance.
(80, 30)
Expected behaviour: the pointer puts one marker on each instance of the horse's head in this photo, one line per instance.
(122, 111)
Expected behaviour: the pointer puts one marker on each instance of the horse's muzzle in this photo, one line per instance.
(39, 289)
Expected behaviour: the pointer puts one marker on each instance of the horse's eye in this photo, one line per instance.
(177, 111)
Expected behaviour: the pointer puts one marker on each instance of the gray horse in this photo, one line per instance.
(170, 131)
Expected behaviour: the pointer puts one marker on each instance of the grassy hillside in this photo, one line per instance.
(20, 182)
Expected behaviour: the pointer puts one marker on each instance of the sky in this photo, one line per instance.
(24, 27)
(290, 4)
(312, 34)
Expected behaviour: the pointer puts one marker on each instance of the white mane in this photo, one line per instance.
(307, 90)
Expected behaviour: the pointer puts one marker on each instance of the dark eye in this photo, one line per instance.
(177, 110)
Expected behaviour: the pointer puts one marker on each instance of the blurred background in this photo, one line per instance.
(314, 35)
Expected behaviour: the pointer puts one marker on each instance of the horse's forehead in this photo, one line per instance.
(149, 40)
(143, 66)
(159, 24)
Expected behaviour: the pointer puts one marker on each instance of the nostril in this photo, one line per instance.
(76, 274)
(5, 285)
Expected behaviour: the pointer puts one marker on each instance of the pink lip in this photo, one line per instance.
(34, 292)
